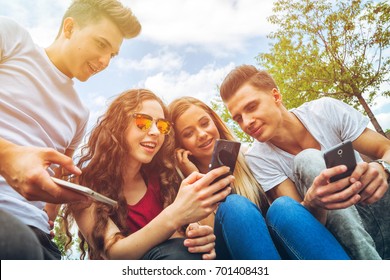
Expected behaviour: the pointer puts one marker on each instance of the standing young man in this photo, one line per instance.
(286, 159)
(42, 119)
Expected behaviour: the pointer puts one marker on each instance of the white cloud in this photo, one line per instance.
(384, 120)
(381, 110)
(202, 85)
(217, 25)
(163, 61)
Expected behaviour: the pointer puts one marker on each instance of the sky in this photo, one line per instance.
(186, 47)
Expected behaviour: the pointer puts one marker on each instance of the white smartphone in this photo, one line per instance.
(85, 191)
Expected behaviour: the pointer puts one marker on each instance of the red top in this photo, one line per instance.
(150, 205)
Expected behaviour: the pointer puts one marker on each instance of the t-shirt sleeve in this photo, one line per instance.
(347, 121)
(9, 30)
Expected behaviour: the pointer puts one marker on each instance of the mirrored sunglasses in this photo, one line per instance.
(144, 122)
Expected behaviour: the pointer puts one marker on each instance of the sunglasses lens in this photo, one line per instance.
(143, 122)
(164, 126)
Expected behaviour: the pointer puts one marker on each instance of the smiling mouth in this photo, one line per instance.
(149, 145)
(94, 69)
(205, 144)
(255, 132)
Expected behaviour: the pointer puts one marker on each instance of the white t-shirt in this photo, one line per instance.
(38, 107)
(328, 120)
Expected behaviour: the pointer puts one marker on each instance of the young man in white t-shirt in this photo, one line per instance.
(42, 119)
(287, 159)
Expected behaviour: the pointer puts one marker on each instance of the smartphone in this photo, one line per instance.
(225, 153)
(342, 154)
(85, 191)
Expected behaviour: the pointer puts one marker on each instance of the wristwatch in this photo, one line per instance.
(385, 165)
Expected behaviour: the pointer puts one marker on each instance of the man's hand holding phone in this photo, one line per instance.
(372, 185)
(324, 194)
(24, 169)
(342, 154)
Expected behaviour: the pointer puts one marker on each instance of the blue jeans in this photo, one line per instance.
(299, 235)
(364, 236)
(242, 232)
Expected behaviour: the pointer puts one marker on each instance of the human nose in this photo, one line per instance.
(247, 122)
(202, 133)
(153, 130)
(104, 61)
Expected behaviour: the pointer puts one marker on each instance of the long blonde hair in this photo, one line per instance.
(245, 184)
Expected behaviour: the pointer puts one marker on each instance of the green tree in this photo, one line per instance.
(330, 48)
(60, 238)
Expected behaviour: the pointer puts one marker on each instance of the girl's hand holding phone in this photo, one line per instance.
(198, 197)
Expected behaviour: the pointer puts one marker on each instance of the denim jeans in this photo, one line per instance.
(172, 249)
(17, 241)
(364, 236)
(376, 220)
(299, 234)
(242, 232)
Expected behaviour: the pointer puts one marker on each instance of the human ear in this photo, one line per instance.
(277, 95)
(68, 27)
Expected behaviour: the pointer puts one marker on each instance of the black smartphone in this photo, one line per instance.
(342, 154)
(225, 153)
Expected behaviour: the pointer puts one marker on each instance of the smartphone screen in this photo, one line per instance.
(225, 154)
(342, 154)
